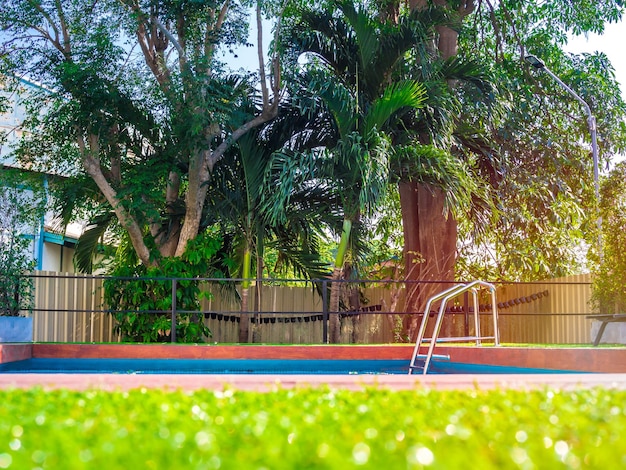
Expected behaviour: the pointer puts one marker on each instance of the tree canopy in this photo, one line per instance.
(140, 105)
(546, 207)
(428, 100)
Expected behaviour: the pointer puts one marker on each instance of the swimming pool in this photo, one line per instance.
(250, 366)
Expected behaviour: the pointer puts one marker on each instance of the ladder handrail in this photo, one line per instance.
(422, 328)
(445, 296)
(438, 322)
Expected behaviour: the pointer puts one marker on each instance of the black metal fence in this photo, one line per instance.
(72, 308)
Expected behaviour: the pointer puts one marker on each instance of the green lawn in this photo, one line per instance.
(313, 428)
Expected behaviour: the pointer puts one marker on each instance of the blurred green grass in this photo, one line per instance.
(313, 428)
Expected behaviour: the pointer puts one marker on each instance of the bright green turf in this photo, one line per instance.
(313, 428)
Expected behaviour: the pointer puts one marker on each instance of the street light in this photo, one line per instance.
(591, 122)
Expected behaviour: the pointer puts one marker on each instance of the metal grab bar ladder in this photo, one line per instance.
(446, 296)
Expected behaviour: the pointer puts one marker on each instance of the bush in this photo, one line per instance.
(141, 296)
(608, 293)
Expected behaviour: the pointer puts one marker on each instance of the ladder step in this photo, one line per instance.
(458, 338)
(441, 357)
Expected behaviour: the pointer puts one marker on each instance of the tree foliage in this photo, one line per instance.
(139, 104)
(434, 96)
(610, 267)
(545, 208)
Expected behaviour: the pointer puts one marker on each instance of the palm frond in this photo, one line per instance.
(326, 37)
(365, 31)
(302, 263)
(438, 168)
(88, 243)
(339, 101)
(292, 170)
(405, 94)
(254, 158)
(412, 35)
(470, 72)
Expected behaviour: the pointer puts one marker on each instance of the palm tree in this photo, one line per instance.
(348, 71)
(444, 168)
(240, 202)
(364, 54)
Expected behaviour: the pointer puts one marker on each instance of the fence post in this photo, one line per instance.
(325, 311)
(173, 328)
(466, 315)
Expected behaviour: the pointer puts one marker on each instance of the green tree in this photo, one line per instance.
(393, 51)
(348, 71)
(609, 274)
(237, 202)
(137, 111)
(546, 209)
(140, 106)
(536, 172)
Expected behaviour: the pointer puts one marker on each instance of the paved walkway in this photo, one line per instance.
(263, 383)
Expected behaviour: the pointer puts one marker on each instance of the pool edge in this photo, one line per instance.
(15, 352)
(603, 360)
(268, 383)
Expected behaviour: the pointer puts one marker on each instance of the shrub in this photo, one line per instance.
(141, 297)
(608, 293)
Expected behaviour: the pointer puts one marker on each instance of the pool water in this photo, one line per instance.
(248, 366)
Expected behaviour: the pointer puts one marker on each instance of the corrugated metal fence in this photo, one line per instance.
(548, 312)
(70, 308)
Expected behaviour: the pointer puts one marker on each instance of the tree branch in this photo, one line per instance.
(55, 41)
(170, 37)
(211, 158)
(64, 30)
(91, 162)
(222, 15)
(259, 36)
(270, 108)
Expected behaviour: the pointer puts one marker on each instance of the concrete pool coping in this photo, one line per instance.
(604, 367)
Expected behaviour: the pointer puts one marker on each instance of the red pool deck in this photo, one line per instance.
(605, 367)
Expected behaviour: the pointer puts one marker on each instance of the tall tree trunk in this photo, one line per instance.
(244, 317)
(258, 291)
(334, 326)
(194, 201)
(335, 287)
(430, 238)
(166, 238)
(91, 163)
(430, 235)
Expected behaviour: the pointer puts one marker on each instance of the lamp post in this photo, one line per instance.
(591, 122)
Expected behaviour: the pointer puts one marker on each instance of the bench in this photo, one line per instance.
(606, 319)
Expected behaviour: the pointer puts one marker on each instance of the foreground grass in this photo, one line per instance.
(311, 428)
